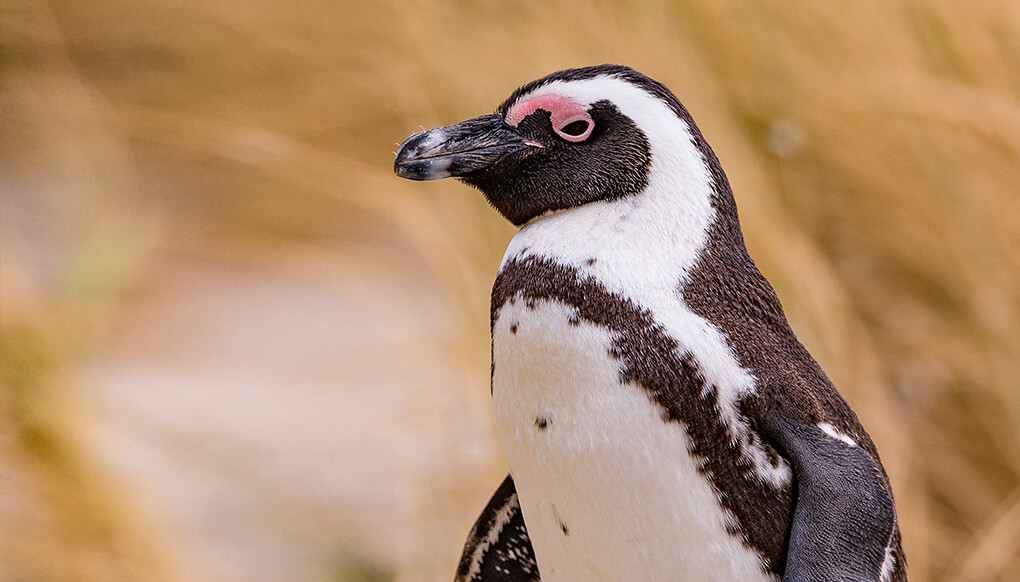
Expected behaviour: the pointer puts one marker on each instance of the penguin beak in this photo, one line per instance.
(460, 149)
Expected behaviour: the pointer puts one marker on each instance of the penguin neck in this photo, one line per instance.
(725, 286)
(640, 246)
(677, 239)
(726, 277)
(726, 289)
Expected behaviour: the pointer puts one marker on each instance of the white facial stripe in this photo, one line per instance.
(645, 245)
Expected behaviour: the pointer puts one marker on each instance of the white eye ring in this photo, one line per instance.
(572, 123)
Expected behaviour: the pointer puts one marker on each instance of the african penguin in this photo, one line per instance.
(661, 419)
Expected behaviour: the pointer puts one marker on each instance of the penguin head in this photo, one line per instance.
(572, 138)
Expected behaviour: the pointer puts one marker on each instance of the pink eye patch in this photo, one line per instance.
(569, 119)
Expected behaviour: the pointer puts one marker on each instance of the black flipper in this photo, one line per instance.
(843, 519)
(498, 548)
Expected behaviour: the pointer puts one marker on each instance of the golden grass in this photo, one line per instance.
(874, 149)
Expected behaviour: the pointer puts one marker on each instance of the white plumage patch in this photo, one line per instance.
(888, 566)
(834, 432)
(608, 489)
(502, 519)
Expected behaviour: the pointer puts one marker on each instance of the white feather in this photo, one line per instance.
(835, 433)
(501, 520)
(888, 566)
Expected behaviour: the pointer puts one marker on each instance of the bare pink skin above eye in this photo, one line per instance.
(563, 112)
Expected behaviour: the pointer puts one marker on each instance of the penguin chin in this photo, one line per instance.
(552, 212)
(538, 217)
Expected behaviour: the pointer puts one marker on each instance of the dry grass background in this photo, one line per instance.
(235, 347)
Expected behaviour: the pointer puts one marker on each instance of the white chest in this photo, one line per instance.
(607, 488)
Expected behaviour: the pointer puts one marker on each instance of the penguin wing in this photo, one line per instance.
(498, 548)
(843, 518)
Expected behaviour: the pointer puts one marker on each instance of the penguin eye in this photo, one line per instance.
(570, 120)
(575, 128)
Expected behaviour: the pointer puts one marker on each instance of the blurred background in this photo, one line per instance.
(234, 347)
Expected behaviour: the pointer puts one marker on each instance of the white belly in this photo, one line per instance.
(607, 488)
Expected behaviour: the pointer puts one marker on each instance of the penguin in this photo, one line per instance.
(660, 418)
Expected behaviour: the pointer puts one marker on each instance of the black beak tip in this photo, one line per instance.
(413, 161)
(418, 170)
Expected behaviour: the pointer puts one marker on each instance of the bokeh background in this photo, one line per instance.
(234, 347)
